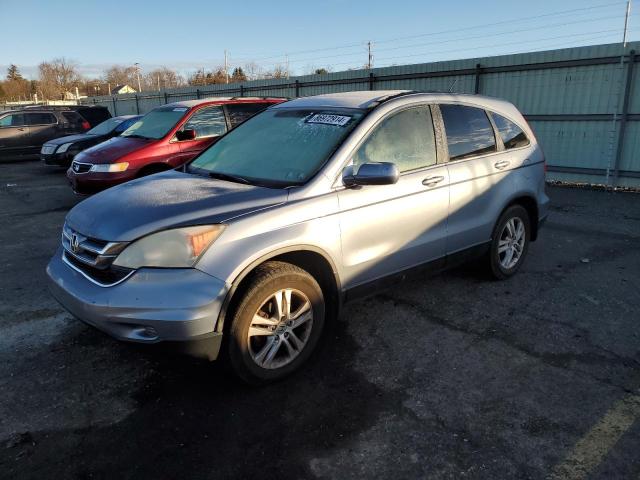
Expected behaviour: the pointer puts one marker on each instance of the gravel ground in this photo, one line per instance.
(448, 377)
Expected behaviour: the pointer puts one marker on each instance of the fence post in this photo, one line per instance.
(372, 81)
(166, 100)
(137, 105)
(115, 110)
(241, 90)
(476, 88)
(623, 117)
(297, 88)
(198, 93)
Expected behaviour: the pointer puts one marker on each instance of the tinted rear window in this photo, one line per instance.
(94, 115)
(511, 134)
(239, 112)
(469, 132)
(72, 117)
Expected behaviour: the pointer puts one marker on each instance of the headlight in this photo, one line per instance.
(64, 147)
(178, 248)
(110, 167)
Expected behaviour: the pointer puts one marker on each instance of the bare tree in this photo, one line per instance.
(121, 75)
(58, 77)
(163, 77)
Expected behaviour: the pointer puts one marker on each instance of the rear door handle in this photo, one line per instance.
(502, 164)
(431, 181)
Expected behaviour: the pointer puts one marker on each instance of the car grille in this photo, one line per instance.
(48, 149)
(81, 167)
(93, 258)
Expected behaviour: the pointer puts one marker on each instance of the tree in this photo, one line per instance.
(58, 77)
(278, 72)
(16, 87)
(163, 77)
(320, 71)
(13, 73)
(121, 75)
(238, 75)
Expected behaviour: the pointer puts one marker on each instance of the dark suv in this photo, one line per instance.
(23, 132)
(94, 114)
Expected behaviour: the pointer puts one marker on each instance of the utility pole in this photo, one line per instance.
(626, 24)
(226, 67)
(286, 62)
(137, 65)
(370, 61)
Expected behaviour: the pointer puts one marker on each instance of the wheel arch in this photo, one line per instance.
(529, 203)
(308, 257)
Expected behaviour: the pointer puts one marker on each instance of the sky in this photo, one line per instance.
(332, 34)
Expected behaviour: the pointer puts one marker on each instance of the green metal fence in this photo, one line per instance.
(583, 103)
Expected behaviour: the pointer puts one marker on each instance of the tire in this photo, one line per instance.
(500, 265)
(276, 348)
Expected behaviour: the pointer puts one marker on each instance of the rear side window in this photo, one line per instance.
(40, 118)
(207, 122)
(511, 134)
(72, 117)
(469, 132)
(239, 112)
(94, 115)
(406, 139)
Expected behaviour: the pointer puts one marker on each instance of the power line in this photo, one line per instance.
(511, 21)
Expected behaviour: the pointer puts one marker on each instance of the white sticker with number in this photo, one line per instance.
(327, 119)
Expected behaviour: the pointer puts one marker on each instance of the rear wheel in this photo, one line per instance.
(510, 242)
(277, 324)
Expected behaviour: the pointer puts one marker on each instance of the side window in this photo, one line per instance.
(72, 117)
(207, 122)
(40, 118)
(511, 134)
(406, 139)
(469, 132)
(239, 112)
(14, 120)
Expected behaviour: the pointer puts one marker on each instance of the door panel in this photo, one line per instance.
(14, 134)
(209, 124)
(42, 127)
(389, 228)
(479, 176)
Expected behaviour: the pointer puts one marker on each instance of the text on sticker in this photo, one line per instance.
(326, 119)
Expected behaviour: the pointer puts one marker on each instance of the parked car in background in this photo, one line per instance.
(310, 203)
(60, 151)
(164, 138)
(94, 114)
(23, 132)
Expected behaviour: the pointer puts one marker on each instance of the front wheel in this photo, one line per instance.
(510, 242)
(277, 324)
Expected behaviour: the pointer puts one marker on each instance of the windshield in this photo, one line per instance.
(157, 123)
(279, 147)
(105, 127)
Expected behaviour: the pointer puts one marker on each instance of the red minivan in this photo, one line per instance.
(164, 138)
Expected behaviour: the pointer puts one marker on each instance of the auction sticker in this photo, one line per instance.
(327, 119)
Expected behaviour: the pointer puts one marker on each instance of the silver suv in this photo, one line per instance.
(313, 202)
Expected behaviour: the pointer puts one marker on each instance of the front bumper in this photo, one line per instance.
(93, 182)
(153, 305)
(57, 159)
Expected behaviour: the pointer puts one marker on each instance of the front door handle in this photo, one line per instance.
(431, 181)
(502, 164)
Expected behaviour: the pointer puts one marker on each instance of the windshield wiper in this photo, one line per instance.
(229, 177)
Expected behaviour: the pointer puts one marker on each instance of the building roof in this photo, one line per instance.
(119, 88)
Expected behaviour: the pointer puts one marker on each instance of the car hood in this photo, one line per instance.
(169, 199)
(72, 138)
(112, 150)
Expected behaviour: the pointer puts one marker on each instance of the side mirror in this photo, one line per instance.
(383, 173)
(183, 135)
